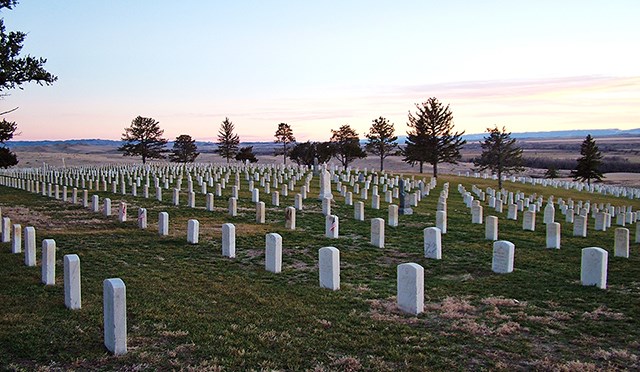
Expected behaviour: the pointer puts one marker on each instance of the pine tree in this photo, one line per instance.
(430, 138)
(143, 138)
(284, 135)
(500, 154)
(227, 141)
(7, 157)
(551, 172)
(382, 141)
(246, 153)
(346, 145)
(588, 165)
(184, 150)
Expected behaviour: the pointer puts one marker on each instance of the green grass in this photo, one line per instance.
(189, 307)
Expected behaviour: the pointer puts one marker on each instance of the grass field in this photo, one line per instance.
(190, 308)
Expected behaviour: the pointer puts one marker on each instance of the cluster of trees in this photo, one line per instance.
(430, 139)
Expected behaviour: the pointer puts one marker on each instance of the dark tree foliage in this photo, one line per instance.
(381, 140)
(551, 173)
(228, 142)
(7, 130)
(184, 150)
(305, 153)
(430, 138)
(346, 145)
(246, 153)
(143, 138)
(284, 135)
(588, 167)
(500, 154)
(14, 69)
(7, 158)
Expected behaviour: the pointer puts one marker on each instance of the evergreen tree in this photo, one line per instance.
(305, 153)
(143, 138)
(184, 150)
(500, 154)
(284, 135)
(588, 167)
(246, 153)
(14, 72)
(430, 138)
(381, 139)
(227, 141)
(346, 145)
(551, 172)
(7, 157)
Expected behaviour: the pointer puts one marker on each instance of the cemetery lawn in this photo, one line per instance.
(190, 308)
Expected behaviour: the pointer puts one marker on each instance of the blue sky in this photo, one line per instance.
(526, 65)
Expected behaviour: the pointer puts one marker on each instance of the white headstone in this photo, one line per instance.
(30, 246)
(326, 206)
(163, 223)
(621, 243)
(49, 262)
(410, 295)
(329, 267)
(260, 212)
(273, 255)
(393, 215)
(115, 316)
(16, 242)
(229, 240)
(290, 218)
(529, 220)
(72, 292)
(332, 227)
(549, 213)
(209, 202)
(579, 226)
(358, 211)
(441, 221)
(107, 207)
(491, 228)
(122, 212)
(553, 235)
(503, 254)
(142, 218)
(593, 269)
(6, 229)
(233, 206)
(432, 243)
(193, 231)
(377, 232)
(476, 214)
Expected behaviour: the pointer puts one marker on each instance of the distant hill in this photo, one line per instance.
(207, 145)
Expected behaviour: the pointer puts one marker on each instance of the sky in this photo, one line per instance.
(316, 65)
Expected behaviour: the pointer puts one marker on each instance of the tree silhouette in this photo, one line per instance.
(227, 141)
(500, 154)
(284, 135)
(7, 157)
(184, 150)
(346, 145)
(588, 167)
(305, 153)
(14, 72)
(381, 139)
(246, 153)
(143, 138)
(430, 138)
(551, 172)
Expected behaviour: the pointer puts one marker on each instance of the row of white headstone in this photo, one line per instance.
(114, 294)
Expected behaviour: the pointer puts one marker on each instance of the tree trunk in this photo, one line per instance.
(381, 163)
(421, 163)
(435, 170)
(144, 159)
(499, 179)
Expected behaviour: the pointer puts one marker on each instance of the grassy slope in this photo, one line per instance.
(190, 307)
